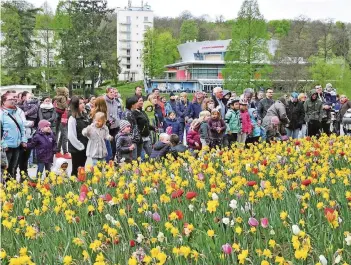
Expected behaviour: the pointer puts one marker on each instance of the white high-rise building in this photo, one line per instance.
(132, 23)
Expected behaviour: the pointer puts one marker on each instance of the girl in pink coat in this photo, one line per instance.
(246, 126)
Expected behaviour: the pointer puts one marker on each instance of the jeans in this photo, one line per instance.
(78, 160)
(242, 137)
(61, 138)
(303, 131)
(12, 155)
(96, 160)
(109, 151)
(292, 133)
(41, 167)
(146, 146)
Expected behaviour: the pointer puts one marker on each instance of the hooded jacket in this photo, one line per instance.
(160, 150)
(193, 137)
(12, 136)
(182, 110)
(204, 131)
(47, 112)
(57, 167)
(129, 116)
(96, 146)
(233, 121)
(174, 124)
(61, 98)
(179, 148)
(313, 108)
(45, 146)
(256, 129)
(246, 126)
(149, 109)
(30, 108)
(263, 107)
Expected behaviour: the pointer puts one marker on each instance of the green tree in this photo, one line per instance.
(247, 55)
(18, 22)
(189, 31)
(279, 28)
(151, 54)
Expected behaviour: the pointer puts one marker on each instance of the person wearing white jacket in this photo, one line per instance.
(77, 142)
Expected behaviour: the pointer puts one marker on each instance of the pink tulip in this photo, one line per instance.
(263, 184)
(253, 222)
(264, 222)
(227, 249)
(156, 217)
(82, 196)
(201, 176)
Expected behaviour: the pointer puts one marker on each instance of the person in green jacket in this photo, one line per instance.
(313, 107)
(149, 109)
(233, 120)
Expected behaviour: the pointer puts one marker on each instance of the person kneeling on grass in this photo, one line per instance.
(45, 146)
(124, 143)
(161, 147)
(176, 146)
(97, 133)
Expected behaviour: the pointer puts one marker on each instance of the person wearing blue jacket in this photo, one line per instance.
(182, 110)
(12, 131)
(256, 127)
(172, 122)
(196, 106)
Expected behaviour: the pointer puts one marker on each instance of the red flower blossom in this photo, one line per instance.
(107, 197)
(328, 210)
(308, 153)
(255, 170)
(112, 184)
(116, 241)
(47, 186)
(190, 195)
(126, 196)
(179, 213)
(306, 182)
(297, 143)
(264, 162)
(132, 243)
(20, 217)
(84, 189)
(32, 184)
(342, 153)
(251, 183)
(177, 193)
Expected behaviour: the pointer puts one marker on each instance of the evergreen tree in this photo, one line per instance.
(247, 55)
(189, 31)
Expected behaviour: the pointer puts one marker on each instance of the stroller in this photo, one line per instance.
(346, 123)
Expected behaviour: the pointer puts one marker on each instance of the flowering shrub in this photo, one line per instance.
(285, 203)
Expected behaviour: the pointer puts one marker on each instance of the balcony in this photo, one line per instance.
(125, 40)
(125, 30)
(125, 22)
(125, 55)
(125, 47)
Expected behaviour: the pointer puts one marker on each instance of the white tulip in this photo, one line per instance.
(225, 220)
(296, 230)
(323, 260)
(348, 240)
(337, 259)
(233, 204)
(160, 237)
(191, 208)
(214, 196)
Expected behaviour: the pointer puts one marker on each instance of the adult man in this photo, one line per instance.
(156, 92)
(12, 130)
(171, 105)
(265, 104)
(345, 105)
(296, 114)
(326, 114)
(219, 100)
(182, 110)
(112, 115)
(313, 107)
(195, 106)
(139, 93)
(278, 109)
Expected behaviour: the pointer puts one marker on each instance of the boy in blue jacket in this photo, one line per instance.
(171, 124)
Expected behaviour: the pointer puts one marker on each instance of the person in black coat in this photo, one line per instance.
(161, 147)
(295, 113)
(176, 146)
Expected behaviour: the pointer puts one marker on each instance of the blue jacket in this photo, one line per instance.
(12, 136)
(174, 124)
(171, 106)
(45, 146)
(182, 110)
(194, 110)
(256, 131)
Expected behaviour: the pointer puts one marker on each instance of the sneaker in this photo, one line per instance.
(67, 156)
(59, 155)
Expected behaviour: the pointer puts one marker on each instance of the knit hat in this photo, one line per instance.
(43, 123)
(123, 124)
(294, 95)
(275, 120)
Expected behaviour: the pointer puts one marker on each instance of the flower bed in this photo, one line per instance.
(285, 203)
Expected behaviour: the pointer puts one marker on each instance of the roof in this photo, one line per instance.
(195, 62)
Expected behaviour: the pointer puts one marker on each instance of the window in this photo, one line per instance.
(128, 19)
(146, 19)
(128, 66)
(146, 27)
(128, 36)
(128, 52)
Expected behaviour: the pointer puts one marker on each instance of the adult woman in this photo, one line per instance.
(182, 110)
(12, 130)
(77, 143)
(144, 127)
(101, 106)
(90, 105)
(208, 104)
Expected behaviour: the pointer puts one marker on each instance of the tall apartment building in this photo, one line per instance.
(132, 23)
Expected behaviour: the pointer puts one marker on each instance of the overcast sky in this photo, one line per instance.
(271, 9)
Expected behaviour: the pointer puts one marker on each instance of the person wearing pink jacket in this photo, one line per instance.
(246, 126)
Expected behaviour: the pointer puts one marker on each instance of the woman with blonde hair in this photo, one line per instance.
(208, 104)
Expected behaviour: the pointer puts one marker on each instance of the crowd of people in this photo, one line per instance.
(104, 128)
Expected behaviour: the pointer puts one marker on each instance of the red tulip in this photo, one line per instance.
(191, 194)
(32, 184)
(179, 214)
(107, 197)
(264, 162)
(112, 184)
(20, 217)
(251, 183)
(126, 196)
(84, 189)
(297, 143)
(132, 243)
(306, 182)
(177, 193)
(47, 186)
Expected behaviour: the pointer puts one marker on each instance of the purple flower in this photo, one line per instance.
(227, 249)
(253, 222)
(264, 222)
(156, 217)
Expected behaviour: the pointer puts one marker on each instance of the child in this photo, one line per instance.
(171, 124)
(246, 126)
(47, 112)
(124, 143)
(176, 146)
(45, 146)
(233, 120)
(273, 133)
(204, 116)
(216, 127)
(193, 136)
(97, 133)
(256, 127)
(161, 147)
(61, 100)
(60, 168)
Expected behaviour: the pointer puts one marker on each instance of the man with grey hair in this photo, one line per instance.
(219, 101)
